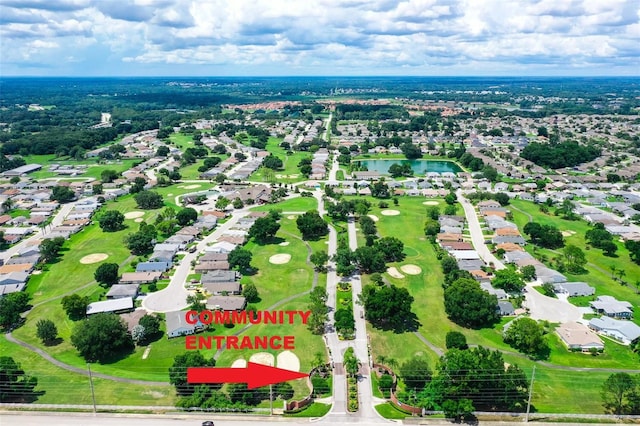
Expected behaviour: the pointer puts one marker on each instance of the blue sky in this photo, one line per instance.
(319, 37)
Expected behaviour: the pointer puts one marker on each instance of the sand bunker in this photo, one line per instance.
(280, 259)
(411, 269)
(192, 186)
(138, 220)
(284, 243)
(568, 233)
(93, 258)
(291, 217)
(239, 363)
(430, 203)
(390, 212)
(288, 360)
(133, 215)
(373, 217)
(394, 272)
(263, 358)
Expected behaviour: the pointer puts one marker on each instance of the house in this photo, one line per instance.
(455, 245)
(153, 266)
(177, 324)
(16, 267)
(498, 292)
(119, 291)
(576, 336)
(465, 254)
(162, 256)
(470, 265)
(227, 303)
(511, 239)
(221, 247)
(214, 257)
(505, 308)
(612, 307)
(547, 275)
(211, 266)
(624, 332)
(515, 256)
(508, 247)
(449, 237)
(218, 276)
(223, 287)
(124, 304)
(574, 289)
(139, 277)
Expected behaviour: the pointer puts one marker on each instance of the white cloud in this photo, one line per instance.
(353, 36)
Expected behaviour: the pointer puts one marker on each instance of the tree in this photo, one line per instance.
(391, 248)
(458, 409)
(317, 306)
(46, 331)
(178, 371)
(388, 307)
(162, 151)
(15, 384)
(345, 322)
(250, 292)
(527, 336)
(101, 337)
(106, 274)
(108, 176)
(508, 279)
(411, 151)
(272, 162)
(264, 229)
(237, 203)
(370, 259)
(547, 236)
(455, 339)
(75, 306)
(475, 374)
(576, 259)
(311, 225)
(350, 362)
(380, 189)
(139, 243)
(431, 227)
(240, 258)
(415, 373)
(149, 200)
(186, 216)
(11, 306)
(618, 391)
(62, 194)
(138, 334)
(222, 203)
(502, 198)
(528, 272)
(50, 248)
(151, 324)
(468, 305)
(319, 260)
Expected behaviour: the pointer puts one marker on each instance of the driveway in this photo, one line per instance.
(547, 308)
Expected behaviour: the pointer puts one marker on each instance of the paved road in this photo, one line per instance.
(543, 307)
(476, 232)
(174, 296)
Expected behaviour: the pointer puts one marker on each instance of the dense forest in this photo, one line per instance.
(563, 154)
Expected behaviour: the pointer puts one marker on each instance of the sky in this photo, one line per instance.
(319, 37)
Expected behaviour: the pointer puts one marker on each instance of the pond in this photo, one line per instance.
(419, 167)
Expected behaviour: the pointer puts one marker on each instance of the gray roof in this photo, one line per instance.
(575, 289)
(611, 305)
(123, 290)
(628, 329)
(506, 308)
(218, 276)
(221, 286)
(227, 303)
(153, 266)
(470, 265)
(177, 320)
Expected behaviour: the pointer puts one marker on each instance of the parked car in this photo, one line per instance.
(207, 423)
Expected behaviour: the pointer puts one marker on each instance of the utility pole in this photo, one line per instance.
(533, 373)
(93, 394)
(271, 400)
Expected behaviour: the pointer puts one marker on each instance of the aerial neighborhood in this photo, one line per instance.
(405, 227)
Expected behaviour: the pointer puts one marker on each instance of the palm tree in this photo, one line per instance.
(7, 205)
(621, 273)
(381, 359)
(613, 271)
(392, 363)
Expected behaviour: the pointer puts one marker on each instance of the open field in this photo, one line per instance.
(93, 170)
(290, 172)
(298, 204)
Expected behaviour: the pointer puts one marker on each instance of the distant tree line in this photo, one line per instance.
(563, 154)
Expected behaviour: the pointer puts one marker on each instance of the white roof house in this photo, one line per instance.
(177, 324)
(124, 304)
(612, 307)
(624, 332)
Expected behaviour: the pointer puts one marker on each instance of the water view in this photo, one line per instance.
(419, 167)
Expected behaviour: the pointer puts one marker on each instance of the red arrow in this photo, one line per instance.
(254, 375)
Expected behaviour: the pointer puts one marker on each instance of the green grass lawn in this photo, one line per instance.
(315, 409)
(93, 170)
(391, 411)
(64, 387)
(289, 173)
(298, 204)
